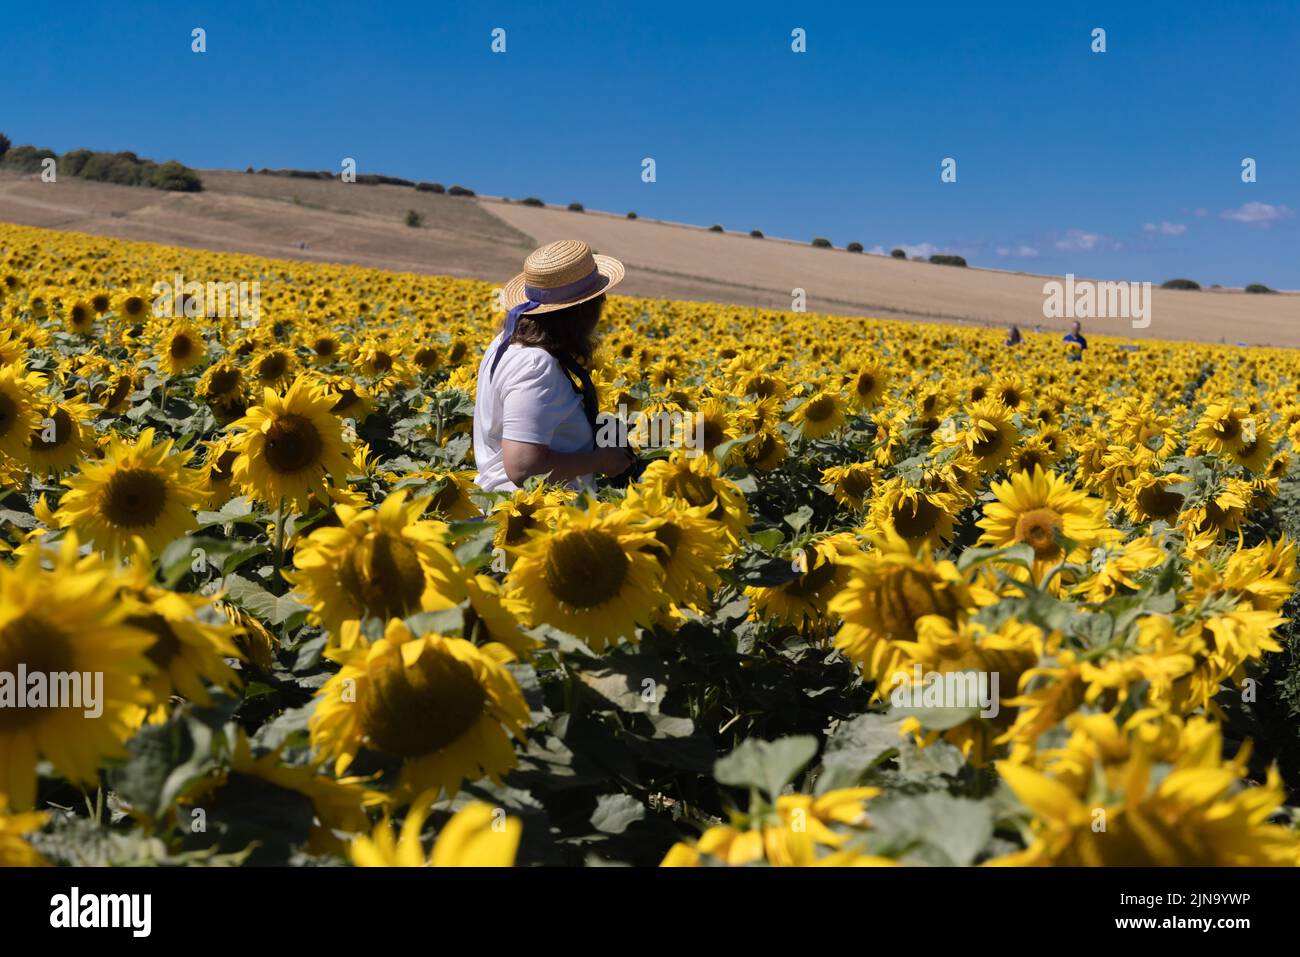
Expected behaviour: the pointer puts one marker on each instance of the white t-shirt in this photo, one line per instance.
(529, 398)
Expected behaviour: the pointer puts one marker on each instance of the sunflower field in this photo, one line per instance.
(315, 642)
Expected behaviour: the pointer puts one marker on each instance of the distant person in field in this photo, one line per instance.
(536, 406)
(1075, 342)
(1013, 336)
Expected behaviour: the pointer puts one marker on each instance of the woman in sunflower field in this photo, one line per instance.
(535, 408)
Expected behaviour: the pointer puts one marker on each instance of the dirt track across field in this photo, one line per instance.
(329, 221)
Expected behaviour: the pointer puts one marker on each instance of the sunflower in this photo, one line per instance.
(1149, 497)
(114, 390)
(689, 546)
(697, 481)
(820, 415)
(138, 489)
(351, 399)
(526, 510)
(478, 835)
(14, 850)
(1222, 428)
(1193, 811)
(991, 436)
(61, 437)
(337, 805)
(19, 416)
(191, 640)
(888, 590)
(132, 306)
(290, 446)
(79, 318)
(851, 484)
(452, 497)
(324, 347)
(1038, 508)
(820, 572)
(218, 472)
(273, 368)
(595, 575)
(443, 706)
(181, 349)
(221, 381)
(800, 830)
(714, 421)
(1113, 567)
(919, 514)
(59, 622)
(868, 387)
(377, 563)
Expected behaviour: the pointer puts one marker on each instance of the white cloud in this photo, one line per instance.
(1022, 251)
(1076, 240)
(1262, 215)
(1201, 212)
(1165, 229)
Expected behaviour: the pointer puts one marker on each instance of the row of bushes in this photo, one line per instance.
(124, 169)
(366, 179)
(1192, 284)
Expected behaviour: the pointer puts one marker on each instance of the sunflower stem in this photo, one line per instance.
(279, 542)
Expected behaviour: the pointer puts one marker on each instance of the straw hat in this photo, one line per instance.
(562, 274)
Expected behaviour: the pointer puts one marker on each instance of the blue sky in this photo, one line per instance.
(1122, 165)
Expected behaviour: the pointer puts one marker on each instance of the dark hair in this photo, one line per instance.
(570, 330)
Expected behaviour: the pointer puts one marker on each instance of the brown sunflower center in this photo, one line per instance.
(223, 381)
(8, 413)
(133, 307)
(518, 523)
(382, 361)
(915, 518)
(427, 358)
(62, 423)
(989, 445)
(1228, 428)
(1038, 528)
(34, 642)
(293, 444)
(715, 433)
(807, 586)
(222, 469)
(325, 347)
(1158, 502)
(585, 568)
(856, 483)
(696, 489)
(181, 346)
(273, 366)
(346, 399)
(907, 595)
(668, 537)
(820, 409)
(418, 710)
(163, 651)
(134, 498)
(383, 574)
(866, 384)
